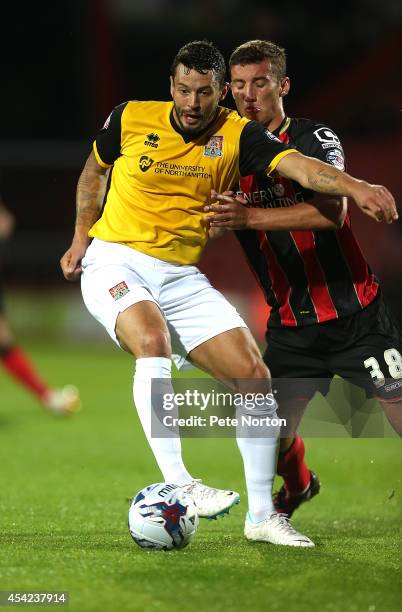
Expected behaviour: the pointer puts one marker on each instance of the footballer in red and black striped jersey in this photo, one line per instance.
(308, 276)
(327, 314)
(312, 277)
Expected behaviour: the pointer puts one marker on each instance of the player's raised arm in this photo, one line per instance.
(261, 151)
(91, 191)
(374, 200)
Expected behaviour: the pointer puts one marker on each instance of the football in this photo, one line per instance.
(162, 517)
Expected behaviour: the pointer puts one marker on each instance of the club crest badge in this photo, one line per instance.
(119, 291)
(214, 147)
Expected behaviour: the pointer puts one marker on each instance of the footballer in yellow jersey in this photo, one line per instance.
(162, 176)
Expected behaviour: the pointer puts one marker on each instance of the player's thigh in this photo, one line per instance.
(141, 329)
(373, 357)
(298, 370)
(232, 354)
(205, 328)
(121, 298)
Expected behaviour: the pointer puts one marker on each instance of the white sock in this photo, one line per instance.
(167, 450)
(259, 459)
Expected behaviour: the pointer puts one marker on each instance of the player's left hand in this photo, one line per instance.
(230, 211)
(376, 202)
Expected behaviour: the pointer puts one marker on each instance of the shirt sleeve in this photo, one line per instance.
(260, 150)
(107, 144)
(325, 145)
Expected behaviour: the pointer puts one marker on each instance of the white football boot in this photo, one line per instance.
(63, 401)
(276, 529)
(210, 502)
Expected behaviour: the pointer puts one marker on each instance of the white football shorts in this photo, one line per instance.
(115, 277)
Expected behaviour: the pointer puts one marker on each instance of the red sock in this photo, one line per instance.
(292, 468)
(17, 363)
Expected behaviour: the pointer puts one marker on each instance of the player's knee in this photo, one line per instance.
(255, 375)
(154, 343)
(256, 368)
(151, 343)
(261, 370)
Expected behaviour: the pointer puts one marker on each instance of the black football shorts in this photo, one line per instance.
(364, 348)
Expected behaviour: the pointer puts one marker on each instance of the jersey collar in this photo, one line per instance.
(283, 127)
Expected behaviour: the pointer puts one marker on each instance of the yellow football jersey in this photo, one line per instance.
(162, 178)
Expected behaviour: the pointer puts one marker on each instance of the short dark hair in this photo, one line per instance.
(255, 51)
(202, 56)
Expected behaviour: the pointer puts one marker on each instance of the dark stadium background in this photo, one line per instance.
(66, 64)
(66, 483)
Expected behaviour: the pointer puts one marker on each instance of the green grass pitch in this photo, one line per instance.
(65, 485)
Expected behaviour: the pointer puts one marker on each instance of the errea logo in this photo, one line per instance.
(145, 163)
(152, 140)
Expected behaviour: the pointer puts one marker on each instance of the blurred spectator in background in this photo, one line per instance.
(16, 362)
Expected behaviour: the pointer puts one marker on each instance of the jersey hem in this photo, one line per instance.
(161, 255)
(326, 319)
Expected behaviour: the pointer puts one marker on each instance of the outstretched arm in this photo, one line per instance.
(231, 212)
(91, 191)
(374, 200)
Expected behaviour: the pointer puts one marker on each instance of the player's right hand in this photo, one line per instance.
(230, 211)
(71, 261)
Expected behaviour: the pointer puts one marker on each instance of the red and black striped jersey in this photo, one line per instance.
(307, 276)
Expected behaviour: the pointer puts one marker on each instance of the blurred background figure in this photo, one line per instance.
(14, 359)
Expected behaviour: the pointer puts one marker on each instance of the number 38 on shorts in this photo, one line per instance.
(393, 361)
